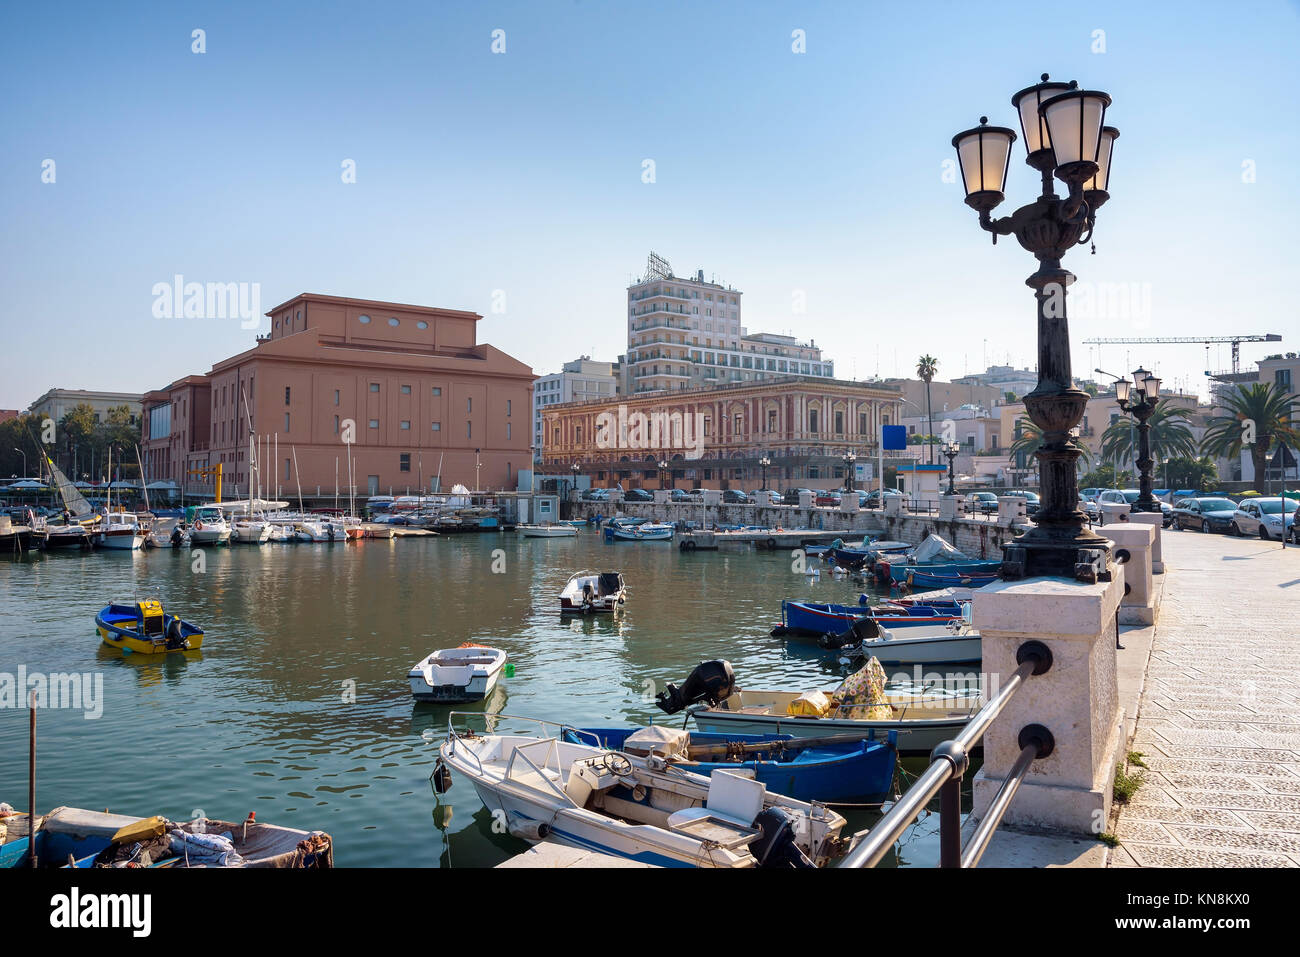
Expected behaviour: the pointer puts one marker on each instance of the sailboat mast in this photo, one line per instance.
(144, 486)
(336, 483)
(297, 478)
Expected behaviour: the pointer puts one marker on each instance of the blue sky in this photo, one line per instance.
(818, 173)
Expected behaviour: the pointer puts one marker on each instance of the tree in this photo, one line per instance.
(1187, 472)
(1254, 416)
(1106, 476)
(926, 367)
(1169, 436)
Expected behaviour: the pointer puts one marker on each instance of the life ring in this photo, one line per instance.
(771, 544)
(198, 526)
(688, 546)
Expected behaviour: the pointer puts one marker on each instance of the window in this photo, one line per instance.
(437, 427)
(406, 390)
(839, 423)
(336, 396)
(469, 405)
(286, 395)
(364, 320)
(336, 425)
(771, 421)
(374, 387)
(422, 325)
(1282, 378)
(437, 391)
(392, 321)
(406, 425)
(507, 407)
(374, 423)
(404, 462)
(469, 430)
(812, 420)
(507, 431)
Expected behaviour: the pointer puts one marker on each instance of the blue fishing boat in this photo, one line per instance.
(638, 533)
(814, 618)
(947, 575)
(839, 770)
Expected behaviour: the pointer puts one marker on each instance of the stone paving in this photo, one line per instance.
(1219, 719)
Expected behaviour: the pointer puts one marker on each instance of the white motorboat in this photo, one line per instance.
(121, 530)
(210, 526)
(309, 531)
(467, 673)
(547, 531)
(161, 531)
(589, 592)
(250, 531)
(597, 799)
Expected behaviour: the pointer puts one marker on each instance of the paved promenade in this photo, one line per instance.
(1219, 719)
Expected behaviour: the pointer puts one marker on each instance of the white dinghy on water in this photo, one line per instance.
(597, 799)
(456, 675)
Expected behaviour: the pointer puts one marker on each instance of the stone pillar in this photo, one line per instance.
(1012, 510)
(894, 505)
(1157, 521)
(662, 496)
(1138, 606)
(712, 496)
(1077, 699)
(1113, 512)
(849, 503)
(805, 500)
(949, 508)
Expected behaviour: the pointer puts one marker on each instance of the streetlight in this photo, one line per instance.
(477, 465)
(575, 469)
(663, 470)
(1139, 399)
(764, 463)
(951, 450)
(24, 455)
(849, 458)
(1064, 134)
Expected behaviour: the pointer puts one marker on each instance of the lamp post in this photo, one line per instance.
(575, 470)
(24, 455)
(763, 463)
(663, 473)
(849, 458)
(950, 450)
(1139, 399)
(1064, 134)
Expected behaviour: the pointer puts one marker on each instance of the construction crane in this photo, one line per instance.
(1236, 342)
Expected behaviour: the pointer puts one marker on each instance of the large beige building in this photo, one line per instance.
(56, 403)
(687, 334)
(405, 394)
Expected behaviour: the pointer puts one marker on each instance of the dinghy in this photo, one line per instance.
(848, 768)
(453, 675)
(814, 618)
(142, 628)
(593, 798)
(588, 592)
(647, 532)
(923, 719)
(546, 531)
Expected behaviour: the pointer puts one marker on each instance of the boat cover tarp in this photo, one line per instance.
(861, 696)
(934, 550)
(658, 739)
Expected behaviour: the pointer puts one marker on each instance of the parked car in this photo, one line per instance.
(1131, 495)
(827, 496)
(695, 493)
(1090, 509)
(638, 495)
(1111, 496)
(734, 496)
(791, 496)
(872, 498)
(1295, 525)
(985, 502)
(1265, 517)
(1090, 494)
(1031, 499)
(680, 495)
(596, 495)
(1207, 514)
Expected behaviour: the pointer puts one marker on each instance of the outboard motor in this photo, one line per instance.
(776, 847)
(711, 682)
(863, 629)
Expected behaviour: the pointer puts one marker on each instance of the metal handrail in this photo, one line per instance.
(944, 776)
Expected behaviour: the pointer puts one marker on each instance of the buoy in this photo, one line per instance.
(441, 778)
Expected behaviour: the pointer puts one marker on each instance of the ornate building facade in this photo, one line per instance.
(717, 437)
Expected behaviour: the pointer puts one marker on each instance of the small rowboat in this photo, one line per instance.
(825, 770)
(589, 592)
(546, 531)
(142, 628)
(813, 618)
(454, 675)
(647, 532)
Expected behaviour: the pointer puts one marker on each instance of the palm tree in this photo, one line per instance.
(926, 367)
(1030, 439)
(1169, 436)
(1254, 415)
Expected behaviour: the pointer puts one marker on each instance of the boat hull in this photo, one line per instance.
(819, 619)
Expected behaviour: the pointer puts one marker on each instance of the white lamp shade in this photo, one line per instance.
(1074, 121)
(983, 154)
(1102, 180)
(1152, 386)
(1121, 390)
(1032, 123)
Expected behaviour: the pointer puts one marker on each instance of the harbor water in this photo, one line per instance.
(297, 707)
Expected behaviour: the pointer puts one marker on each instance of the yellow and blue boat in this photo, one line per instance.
(142, 628)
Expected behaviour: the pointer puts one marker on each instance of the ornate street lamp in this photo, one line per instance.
(1139, 399)
(663, 470)
(1064, 135)
(574, 468)
(951, 450)
(763, 463)
(849, 458)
